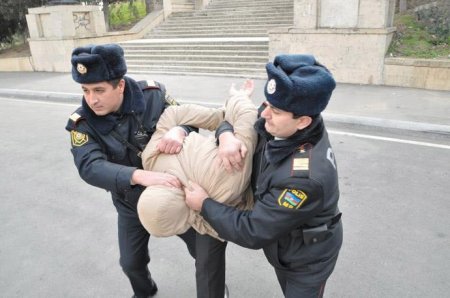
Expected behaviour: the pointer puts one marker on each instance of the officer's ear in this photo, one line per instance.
(121, 85)
(303, 122)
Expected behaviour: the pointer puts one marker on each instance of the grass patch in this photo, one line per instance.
(412, 39)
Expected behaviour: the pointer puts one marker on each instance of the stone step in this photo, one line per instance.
(244, 3)
(215, 26)
(233, 3)
(204, 48)
(183, 7)
(233, 14)
(211, 30)
(255, 10)
(210, 34)
(196, 51)
(226, 22)
(192, 56)
(201, 41)
(251, 72)
(260, 44)
(184, 72)
(229, 63)
(227, 38)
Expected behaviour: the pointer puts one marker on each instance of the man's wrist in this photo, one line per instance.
(183, 129)
(135, 177)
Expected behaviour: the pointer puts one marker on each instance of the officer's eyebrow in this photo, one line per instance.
(267, 104)
(97, 88)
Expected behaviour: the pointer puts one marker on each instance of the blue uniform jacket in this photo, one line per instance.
(105, 161)
(295, 218)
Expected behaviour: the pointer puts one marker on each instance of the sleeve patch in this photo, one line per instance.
(78, 138)
(292, 198)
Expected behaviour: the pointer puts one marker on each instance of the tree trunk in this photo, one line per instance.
(402, 6)
(149, 6)
(106, 13)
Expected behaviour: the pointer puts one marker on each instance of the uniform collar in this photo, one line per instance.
(133, 102)
(277, 150)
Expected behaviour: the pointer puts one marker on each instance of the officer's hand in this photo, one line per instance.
(148, 178)
(172, 141)
(247, 88)
(231, 152)
(195, 195)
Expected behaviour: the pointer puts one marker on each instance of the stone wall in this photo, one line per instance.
(417, 73)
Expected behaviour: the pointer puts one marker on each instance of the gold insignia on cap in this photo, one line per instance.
(78, 138)
(81, 68)
(271, 86)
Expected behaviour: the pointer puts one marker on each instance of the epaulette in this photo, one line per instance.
(148, 84)
(74, 119)
(300, 161)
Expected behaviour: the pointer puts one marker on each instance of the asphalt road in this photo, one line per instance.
(58, 235)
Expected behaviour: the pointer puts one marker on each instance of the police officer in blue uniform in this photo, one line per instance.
(295, 218)
(108, 132)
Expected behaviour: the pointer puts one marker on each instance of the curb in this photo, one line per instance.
(40, 95)
(388, 123)
(331, 117)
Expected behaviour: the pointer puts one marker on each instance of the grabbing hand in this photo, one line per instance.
(231, 152)
(195, 195)
(172, 141)
(148, 178)
(247, 88)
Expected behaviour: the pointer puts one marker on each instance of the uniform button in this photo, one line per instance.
(314, 240)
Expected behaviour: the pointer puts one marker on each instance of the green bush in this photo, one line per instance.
(412, 39)
(124, 14)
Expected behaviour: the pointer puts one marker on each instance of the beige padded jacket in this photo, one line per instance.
(162, 210)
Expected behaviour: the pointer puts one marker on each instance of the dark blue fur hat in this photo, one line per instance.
(298, 84)
(97, 63)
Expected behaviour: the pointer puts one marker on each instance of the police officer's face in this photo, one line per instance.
(103, 98)
(280, 123)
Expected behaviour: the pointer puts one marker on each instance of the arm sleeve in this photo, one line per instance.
(95, 169)
(223, 127)
(267, 221)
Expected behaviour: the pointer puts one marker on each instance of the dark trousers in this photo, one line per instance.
(210, 267)
(294, 287)
(208, 252)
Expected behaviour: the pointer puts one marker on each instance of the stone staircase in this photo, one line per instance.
(228, 38)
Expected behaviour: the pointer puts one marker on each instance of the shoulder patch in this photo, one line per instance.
(78, 138)
(292, 198)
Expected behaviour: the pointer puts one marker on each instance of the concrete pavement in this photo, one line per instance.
(59, 234)
(378, 106)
